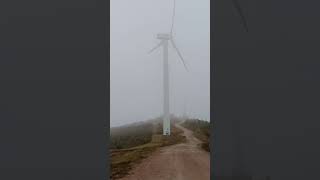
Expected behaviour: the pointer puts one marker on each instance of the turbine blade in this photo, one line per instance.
(155, 47)
(176, 48)
(239, 9)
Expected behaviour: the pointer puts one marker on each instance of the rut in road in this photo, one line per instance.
(185, 161)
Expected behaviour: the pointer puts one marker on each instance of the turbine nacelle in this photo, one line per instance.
(168, 37)
(164, 36)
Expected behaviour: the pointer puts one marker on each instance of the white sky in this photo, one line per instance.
(136, 76)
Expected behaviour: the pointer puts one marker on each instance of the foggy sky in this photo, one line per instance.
(136, 76)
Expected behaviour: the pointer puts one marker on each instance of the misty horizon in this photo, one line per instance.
(136, 76)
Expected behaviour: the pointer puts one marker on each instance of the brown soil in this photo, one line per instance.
(185, 161)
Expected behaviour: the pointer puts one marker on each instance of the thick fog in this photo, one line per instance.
(136, 76)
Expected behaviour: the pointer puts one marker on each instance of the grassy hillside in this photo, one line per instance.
(130, 136)
(132, 143)
(201, 130)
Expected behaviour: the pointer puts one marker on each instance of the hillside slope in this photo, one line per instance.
(132, 143)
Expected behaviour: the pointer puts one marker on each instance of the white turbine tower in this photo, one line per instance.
(164, 42)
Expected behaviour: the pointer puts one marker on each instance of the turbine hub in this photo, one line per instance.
(164, 36)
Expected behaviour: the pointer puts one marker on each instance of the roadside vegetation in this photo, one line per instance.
(201, 130)
(130, 136)
(132, 143)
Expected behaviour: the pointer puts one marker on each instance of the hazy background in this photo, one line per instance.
(136, 76)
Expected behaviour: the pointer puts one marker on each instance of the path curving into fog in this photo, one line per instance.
(185, 161)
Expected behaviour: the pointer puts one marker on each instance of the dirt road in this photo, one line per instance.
(184, 161)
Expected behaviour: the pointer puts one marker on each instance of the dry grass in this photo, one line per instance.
(123, 160)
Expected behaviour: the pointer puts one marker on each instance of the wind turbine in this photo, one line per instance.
(165, 38)
(164, 42)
